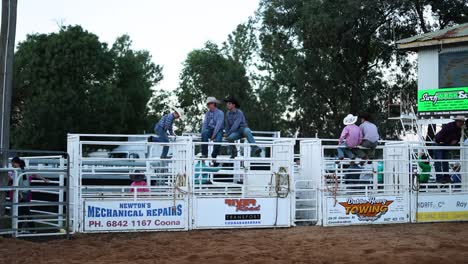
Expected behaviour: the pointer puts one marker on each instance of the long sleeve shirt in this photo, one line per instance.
(449, 133)
(166, 123)
(235, 120)
(214, 120)
(369, 132)
(352, 135)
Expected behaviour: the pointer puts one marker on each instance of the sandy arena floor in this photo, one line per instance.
(421, 243)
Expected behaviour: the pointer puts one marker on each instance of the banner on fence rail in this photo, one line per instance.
(365, 210)
(439, 208)
(242, 212)
(134, 215)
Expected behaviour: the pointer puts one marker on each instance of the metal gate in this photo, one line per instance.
(130, 187)
(307, 205)
(36, 197)
(246, 191)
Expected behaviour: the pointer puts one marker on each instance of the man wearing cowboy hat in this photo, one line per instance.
(212, 127)
(165, 127)
(236, 126)
(350, 138)
(449, 135)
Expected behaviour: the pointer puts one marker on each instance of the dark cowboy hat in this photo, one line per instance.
(366, 116)
(137, 177)
(232, 99)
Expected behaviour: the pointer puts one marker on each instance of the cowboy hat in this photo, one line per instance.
(179, 111)
(137, 177)
(365, 115)
(459, 118)
(212, 99)
(350, 119)
(232, 99)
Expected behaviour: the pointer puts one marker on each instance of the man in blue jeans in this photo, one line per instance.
(236, 126)
(165, 127)
(212, 128)
(449, 135)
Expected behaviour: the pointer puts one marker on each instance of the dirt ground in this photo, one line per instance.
(410, 243)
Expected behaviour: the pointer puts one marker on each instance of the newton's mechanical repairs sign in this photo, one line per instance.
(439, 208)
(134, 215)
(241, 212)
(444, 101)
(365, 210)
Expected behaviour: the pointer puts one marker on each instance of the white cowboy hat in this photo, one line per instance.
(179, 111)
(212, 99)
(459, 118)
(350, 119)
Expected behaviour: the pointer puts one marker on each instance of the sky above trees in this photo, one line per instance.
(169, 30)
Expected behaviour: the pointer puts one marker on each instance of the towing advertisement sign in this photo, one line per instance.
(365, 210)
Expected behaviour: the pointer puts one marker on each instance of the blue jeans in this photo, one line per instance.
(441, 167)
(345, 151)
(162, 137)
(241, 133)
(206, 135)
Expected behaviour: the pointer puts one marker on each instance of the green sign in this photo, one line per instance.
(443, 102)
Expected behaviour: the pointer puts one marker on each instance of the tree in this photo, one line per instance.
(70, 82)
(339, 57)
(207, 72)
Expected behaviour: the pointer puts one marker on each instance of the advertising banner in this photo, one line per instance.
(134, 215)
(365, 210)
(443, 102)
(439, 208)
(242, 212)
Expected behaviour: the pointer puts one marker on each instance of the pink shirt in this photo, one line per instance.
(352, 135)
(139, 183)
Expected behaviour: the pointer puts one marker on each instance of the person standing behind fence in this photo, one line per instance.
(236, 126)
(212, 127)
(370, 137)
(449, 135)
(24, 195)
(350, 138)
(165, 127)
(425, 169)
(138, 181)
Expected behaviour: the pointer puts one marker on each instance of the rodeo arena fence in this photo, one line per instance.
(119, 183)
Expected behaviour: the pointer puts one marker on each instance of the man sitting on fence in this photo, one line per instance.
(165, 127)
(370, 137)
(212, 127)
(449, 136)
(350, 138)
(236, 126)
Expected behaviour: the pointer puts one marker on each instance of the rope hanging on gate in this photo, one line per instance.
(334, 189)
(281, 178)
(179, 181)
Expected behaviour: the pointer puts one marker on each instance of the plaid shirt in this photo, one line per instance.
(166, 123)
(214, 120)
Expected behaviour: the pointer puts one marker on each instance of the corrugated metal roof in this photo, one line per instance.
(458, 31)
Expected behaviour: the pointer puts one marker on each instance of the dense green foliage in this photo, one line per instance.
(70, 82)
(311, 62)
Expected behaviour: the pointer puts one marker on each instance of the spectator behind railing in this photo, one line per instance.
(25, 195)
(425, 167)
(202, 170)
(138, 181)
(449, 136)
